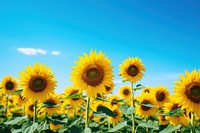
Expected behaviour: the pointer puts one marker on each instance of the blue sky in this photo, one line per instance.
(164, 34)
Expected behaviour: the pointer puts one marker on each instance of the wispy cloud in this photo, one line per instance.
(118, 81)
(55, 53)
(41, 51)
(32, 51)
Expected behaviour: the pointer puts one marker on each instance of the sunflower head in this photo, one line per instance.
(9, 84)
(187, 91)
(38, 82)
(92, 73)
(117, 118)
(109, 88)
(174, 120)
(114, 101)
(125, 92)
(162, 119)
(161, 95)
(95, 104)
(73, 101)
(145, 111)
(132, 69)
(53, 105)
(146, 90)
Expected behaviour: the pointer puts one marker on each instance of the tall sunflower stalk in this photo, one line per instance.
(87, 113)
(133, 106)
(35, 111)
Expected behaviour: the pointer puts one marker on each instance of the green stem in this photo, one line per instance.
(35, 111)
(192, 123)
(133, 114)
(6, 111)
(108, 125)
(87, 113)
(74, 111)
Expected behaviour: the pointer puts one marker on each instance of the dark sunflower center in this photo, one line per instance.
(74, 92)
(51, 102)
(31, 108)
(163, 118)
(37, 83)
(116, 113)
(10, 100)
(132, 70)
(114, 101)
(126, 92)
(9, 85)
(108, 88)
(175, 106)
(93, 75)
(146, 91)
(193, 92)
(145, 108)
(160, 96)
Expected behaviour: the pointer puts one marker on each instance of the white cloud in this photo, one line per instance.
(41, 51)
(27, 51)
(31, 51)
(118, 81)
(55, 53)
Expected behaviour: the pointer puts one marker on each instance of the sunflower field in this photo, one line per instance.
(29, 103)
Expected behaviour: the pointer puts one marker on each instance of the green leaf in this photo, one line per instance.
(74, 122)
(126, 110)
(149, 125)
(18, 91)
(175, 112)
(106, 110)
(99, 114)
(87, 130)
(17, 131)
(49, 104)
(58, 121)
(119, 126)
(170, 129)
(75, 95)
(101, 99)
(147, 105)
(15, 121)
(33, 128)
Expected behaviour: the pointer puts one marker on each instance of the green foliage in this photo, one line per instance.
(175, 112)
(170, 129)
(105, 110)
(118, 126)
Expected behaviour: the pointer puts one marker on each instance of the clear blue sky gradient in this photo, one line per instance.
(164, 34)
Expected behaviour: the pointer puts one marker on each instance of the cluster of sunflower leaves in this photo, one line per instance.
(24, 124)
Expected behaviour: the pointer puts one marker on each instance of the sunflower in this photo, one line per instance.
(174, 120)
(37, 82)
(187, 91)
(145, 111)
(117, 118)
(125, 92)
(146, 90)
(162, 119)
(92, 73)
(114, 101)
(161, 95)
(131, 69)
(95, 104)
(73, 101)
(110, 88)
(19, 99)
(54, 107)
(55, 126)
(29, 109)
(9, 84)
